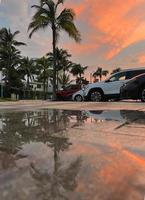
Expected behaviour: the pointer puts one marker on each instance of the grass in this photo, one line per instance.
(6, 99)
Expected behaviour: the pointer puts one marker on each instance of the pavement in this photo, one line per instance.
(38, 104)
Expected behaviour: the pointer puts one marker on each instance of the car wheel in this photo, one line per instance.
(96, 96)
(143, 95)
(78, 98)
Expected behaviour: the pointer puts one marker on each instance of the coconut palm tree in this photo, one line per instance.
(62, 63)
(28, 69)
(7, 38)
(47, 15)
(45, 72)
(77, 70)
(100, 73)
(116, 70)
(10, 57)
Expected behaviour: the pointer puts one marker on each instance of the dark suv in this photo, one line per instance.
(134, 89)
(67, 92)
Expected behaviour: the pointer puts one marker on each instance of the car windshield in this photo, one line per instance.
(117, 77)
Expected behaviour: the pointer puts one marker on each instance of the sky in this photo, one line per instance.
(113, 32)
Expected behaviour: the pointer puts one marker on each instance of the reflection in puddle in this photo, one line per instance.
(60, 155)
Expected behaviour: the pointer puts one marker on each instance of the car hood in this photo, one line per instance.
(96, 84)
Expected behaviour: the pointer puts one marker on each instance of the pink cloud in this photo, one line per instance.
(141, 59)
(118, 24)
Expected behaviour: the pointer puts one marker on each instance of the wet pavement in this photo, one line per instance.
(54, 154)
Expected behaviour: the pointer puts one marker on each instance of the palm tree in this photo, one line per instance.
(7, 38)
(10, 57)
(62, 63)
(100, 73)
(77, 70)
(116, 70)
(28, 68)
(64, 79)
(47, 16)
(45, 72)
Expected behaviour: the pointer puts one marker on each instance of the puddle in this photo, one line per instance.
(74, 155)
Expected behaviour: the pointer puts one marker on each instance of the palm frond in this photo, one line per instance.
(15, 33)
(37, 24)
(65, 22)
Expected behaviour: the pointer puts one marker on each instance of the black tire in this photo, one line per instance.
(143, 95)
(96, 96)
(78, 98)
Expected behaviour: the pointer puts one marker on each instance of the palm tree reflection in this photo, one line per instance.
(55, 184)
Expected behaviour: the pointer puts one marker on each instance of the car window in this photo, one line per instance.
(113, 78)
(118, 77)
(121, 76)
(131, 74)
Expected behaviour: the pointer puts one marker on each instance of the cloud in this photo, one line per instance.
(18, 14)
(118, 24)
(141, 59)
(108, 29)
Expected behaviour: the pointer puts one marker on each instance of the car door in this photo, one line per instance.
(114, 83)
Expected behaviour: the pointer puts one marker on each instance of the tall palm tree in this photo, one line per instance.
(116, 70)
(10, 56)
(28, 69)
(77, 70)
(47, 15)
(100, 73)
(44, 72)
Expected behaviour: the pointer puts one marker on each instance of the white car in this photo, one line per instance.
(109, 89)
(78, 96)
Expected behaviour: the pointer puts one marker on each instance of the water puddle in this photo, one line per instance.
(72, 155)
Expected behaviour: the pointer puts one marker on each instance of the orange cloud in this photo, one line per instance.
(141, 59)
(118, 24)
(81, 49)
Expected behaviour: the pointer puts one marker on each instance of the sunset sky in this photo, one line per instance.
(113, 31)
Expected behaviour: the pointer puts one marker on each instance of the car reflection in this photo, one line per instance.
(124, 116)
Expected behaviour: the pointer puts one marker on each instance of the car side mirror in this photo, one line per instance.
(107, 81)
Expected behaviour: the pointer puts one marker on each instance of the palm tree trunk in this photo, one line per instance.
(54, 62)
(63, 77)
(28, 86)
(44, 90)
(44, 87)
(57, 80)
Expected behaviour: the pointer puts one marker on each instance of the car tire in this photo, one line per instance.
(78, 98)
(96, 96)
(143, 95)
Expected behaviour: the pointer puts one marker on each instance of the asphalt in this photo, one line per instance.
(38, 104)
